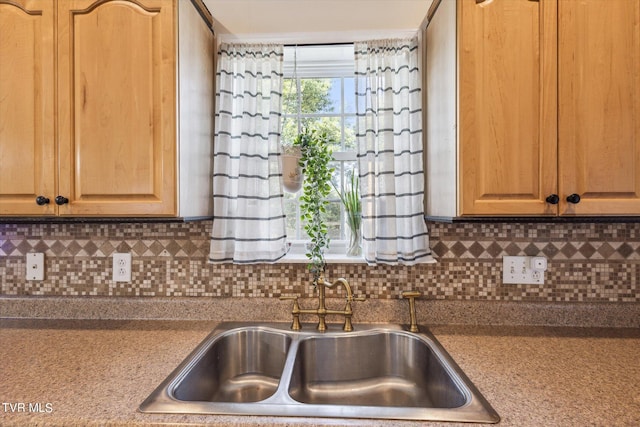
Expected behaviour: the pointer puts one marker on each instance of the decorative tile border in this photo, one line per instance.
(555, 241)
(182, 240)
(587, 263)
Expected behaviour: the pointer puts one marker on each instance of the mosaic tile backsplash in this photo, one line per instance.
(591, 262)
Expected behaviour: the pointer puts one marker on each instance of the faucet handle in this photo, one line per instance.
(358, 298)
(295, 312)
(296, 306)
(411, 296)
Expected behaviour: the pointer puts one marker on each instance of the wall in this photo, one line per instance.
(587, 262)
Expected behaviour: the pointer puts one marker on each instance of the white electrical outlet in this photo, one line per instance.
(35, 266)
(121, 267)
(523, 270)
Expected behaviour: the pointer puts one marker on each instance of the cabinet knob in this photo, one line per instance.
(60, 200)
(41, 200)
(573, 198)
(553, 199)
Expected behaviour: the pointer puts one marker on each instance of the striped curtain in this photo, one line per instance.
(390, 159)
(249, 220)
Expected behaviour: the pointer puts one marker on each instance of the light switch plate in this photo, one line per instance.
(35, 266)
(519, 270)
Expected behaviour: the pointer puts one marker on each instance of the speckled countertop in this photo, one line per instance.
(98, 372)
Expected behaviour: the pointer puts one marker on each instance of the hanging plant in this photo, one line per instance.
(316, 155)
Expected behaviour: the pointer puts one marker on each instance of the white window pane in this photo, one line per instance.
(291, 212)
(350, 134)
(333, 219)
(289, 97)
(329, 125)
(349, 95)
(289, 130)
(318, 96)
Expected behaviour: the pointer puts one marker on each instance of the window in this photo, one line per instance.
(319, 92)
(249, 223)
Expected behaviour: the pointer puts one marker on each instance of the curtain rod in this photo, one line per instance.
(318, 44)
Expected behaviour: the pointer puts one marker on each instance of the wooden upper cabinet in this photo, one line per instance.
(599, 106)
(27, 78)
(549, 105)
(507, 106)
(117, 107)
(107, 104)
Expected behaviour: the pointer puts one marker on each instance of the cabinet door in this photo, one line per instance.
(27, 140)
(599, 106)
(117, 113)
(507, 106)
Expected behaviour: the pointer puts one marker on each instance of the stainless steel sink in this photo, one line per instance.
(379, 371)
(382, 368)
(242, 365)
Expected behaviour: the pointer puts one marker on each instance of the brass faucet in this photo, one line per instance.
(411, 296)
(322, 310)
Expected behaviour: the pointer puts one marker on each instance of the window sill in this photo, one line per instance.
(336, 254)
(297, 258)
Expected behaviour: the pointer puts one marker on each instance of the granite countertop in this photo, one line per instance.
(97, 372)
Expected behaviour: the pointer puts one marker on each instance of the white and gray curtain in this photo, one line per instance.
(249, 220)
(389, 138)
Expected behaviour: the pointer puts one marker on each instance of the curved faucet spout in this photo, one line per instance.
(344, 284)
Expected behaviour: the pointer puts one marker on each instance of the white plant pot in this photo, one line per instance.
(291, 172)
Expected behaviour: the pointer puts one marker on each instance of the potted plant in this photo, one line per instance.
(291, 170)
(350, 198)
(315, 157)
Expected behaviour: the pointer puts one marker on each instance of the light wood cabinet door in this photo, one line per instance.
(27, 81)
(117, 107)
(599, 106)
(507, 106)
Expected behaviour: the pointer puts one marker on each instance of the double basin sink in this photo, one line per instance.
(379, 371)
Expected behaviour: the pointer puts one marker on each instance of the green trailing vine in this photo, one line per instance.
(316, 155)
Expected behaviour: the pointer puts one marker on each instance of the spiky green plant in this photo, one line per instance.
(350, 198)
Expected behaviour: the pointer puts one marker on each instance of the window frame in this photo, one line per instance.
(323, 62)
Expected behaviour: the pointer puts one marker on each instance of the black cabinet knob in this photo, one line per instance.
(553, 199)
(61, 200)
(41, 200)
(573, 198)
